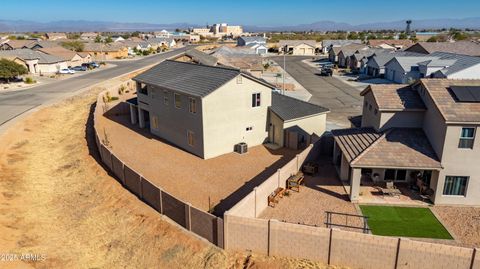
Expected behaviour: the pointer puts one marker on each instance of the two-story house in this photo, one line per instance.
(424, 133)
(207, 110)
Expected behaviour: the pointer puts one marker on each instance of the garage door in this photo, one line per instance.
(302, 51)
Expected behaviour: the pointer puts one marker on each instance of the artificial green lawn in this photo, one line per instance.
(404, 221)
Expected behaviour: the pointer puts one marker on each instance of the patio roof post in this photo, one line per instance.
(355, 177)
(133, 114)
(141, 118)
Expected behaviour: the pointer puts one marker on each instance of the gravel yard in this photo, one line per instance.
(218, 182)
(462, 222)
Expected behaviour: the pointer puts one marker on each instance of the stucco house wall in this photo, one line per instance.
(369, 118)
(234, 101)
(168, 116)
(459, 162)
(303, 49)
(402, 119)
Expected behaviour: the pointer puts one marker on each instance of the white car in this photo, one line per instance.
(66, 71)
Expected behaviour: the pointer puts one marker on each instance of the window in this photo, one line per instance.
(249, 128)
(255, 99)
(191, 138)
(389, 174)
(155, 122)
(455, 185)
(192, 105)
(239, 80)
(165, 97)
(466, 138)
(142, 88)
(178, 100)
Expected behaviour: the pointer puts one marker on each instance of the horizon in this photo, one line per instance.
(209, 12)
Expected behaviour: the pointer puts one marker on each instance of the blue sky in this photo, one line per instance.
(245, 12)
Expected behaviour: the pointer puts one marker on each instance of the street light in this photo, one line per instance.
(284, 67)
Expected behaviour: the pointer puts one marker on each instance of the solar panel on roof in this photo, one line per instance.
(466, 93)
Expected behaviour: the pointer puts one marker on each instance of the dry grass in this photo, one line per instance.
(56, 200)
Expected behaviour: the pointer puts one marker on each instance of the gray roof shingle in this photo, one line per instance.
(288, 108)
(28, 54)
(187, 78)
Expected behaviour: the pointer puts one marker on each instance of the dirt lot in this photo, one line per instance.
(322, 192)
(58, 202)
(222, 181)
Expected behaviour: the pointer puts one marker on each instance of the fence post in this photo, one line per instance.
(161, 203)
(188, 216)
(398, 251)
(225, 230)
(255, 202)
(474, 254)
(220, 242)
(330, 246)
(271, 238)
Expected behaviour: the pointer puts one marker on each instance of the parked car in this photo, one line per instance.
(327, 72)
(91, 65)
(66, 71)
(79, 68)
(326, 65)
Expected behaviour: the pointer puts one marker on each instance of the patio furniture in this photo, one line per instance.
(273, 197)
(390, 189)
(310, 168)
(295, 181)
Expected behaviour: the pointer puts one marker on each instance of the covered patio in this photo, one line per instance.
(397, 166)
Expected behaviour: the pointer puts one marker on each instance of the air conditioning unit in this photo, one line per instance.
(241, 148)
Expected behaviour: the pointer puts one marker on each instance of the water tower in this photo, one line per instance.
(408, 26)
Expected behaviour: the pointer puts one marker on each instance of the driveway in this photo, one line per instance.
(341, 98)
(16, 103)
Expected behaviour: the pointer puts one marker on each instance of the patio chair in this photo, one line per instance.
(390, 185)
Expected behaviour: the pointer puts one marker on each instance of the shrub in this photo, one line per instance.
(10, 69)
(30, 80)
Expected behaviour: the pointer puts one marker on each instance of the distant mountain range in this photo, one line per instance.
(83, 26)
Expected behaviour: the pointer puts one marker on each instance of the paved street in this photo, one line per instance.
(342, 99)
(15, 103)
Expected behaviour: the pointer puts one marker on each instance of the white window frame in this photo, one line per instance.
(175, 95)
(192, 134)
(165, 97)
(155, 122)
(467, 138)
(257, 100)
(456, 195)
(239, 79)
(192, 108)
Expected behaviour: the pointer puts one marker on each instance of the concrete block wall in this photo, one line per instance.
(117, 168)
(133, 181)
(246, 234)
(299, 241)
(362, 250)
(415, 254)
(263, 191)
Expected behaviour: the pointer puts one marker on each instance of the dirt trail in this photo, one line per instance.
(57, 201)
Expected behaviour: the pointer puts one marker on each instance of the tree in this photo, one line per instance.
(98, 39)
(432, 39)
(352, 35)
(73, 45)
(73, 35)
(10, 69)
(108, 40)
(403, 36)
(459, 36)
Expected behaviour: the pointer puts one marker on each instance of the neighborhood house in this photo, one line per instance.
(424, 134)
(208, 110)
